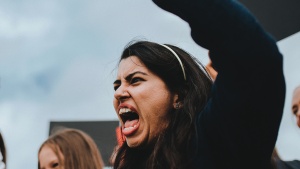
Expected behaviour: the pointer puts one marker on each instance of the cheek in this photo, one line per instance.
(158, 106)
(116, 104)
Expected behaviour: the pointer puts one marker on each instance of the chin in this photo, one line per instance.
(135, 142)
(132, 144)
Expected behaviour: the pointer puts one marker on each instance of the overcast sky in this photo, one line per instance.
(57, 62)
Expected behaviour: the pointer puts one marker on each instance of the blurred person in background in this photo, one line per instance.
(69, 149)
(278, 163)
(296, 104)
(211, 70)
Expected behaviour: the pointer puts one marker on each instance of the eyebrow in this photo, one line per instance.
(128, 77)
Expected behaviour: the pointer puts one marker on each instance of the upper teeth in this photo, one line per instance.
(124, 110)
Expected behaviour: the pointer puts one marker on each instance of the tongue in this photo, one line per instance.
(130, 127)
(131, 123)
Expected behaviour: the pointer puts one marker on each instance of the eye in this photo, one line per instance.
(135, 80)
(54, 165)
(295, 110)
(116, 87)
(117, 84)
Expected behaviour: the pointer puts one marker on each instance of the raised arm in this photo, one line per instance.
(242, 118)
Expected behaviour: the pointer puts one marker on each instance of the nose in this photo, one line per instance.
(121, 94)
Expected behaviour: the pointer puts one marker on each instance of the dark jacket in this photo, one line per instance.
(238, 128)
(295, 164)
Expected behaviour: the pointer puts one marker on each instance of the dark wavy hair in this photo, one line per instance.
(175, 146)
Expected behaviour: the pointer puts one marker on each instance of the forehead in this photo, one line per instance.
(129, 65)
(47, 154)
(296, 95)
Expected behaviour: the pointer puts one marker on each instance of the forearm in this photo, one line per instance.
(228, 30)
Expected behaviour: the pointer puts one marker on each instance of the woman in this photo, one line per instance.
(69, 149)
(171, 114)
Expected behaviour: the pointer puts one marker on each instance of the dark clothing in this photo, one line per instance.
(295, 164)
(238, 128)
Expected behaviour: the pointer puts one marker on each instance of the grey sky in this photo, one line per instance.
(57, 60)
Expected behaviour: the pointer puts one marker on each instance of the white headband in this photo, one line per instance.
(174, 53)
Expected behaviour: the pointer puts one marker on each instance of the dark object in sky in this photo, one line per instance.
(103, 133)
(279, 17)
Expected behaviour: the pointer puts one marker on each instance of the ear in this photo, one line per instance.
(176, 101)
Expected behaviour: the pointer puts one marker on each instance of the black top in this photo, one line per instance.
(295, 164)
(239, 126)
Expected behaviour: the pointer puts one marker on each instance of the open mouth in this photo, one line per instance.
(127, 114)
(130, 120)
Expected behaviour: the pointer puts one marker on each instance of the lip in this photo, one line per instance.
(124, 105)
